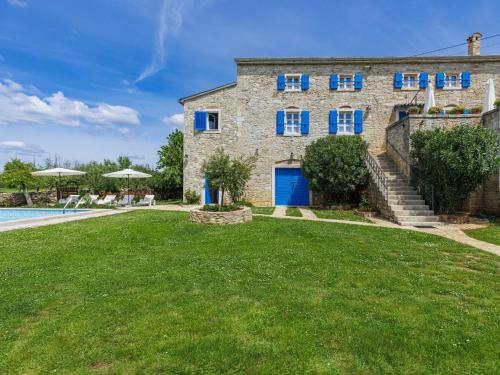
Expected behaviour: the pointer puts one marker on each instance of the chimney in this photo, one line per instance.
(474, 44)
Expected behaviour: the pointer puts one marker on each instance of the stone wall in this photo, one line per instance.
(18, 199)
(248, 111)
(487, 197)
(197, 215)
(398, 134)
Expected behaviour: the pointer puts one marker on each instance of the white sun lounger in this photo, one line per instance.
(148, 200)
(108, 199)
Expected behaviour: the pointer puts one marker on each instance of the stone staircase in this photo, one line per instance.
(405, 204)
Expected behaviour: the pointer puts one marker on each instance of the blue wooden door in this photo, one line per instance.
(290, 187)
(211, 195)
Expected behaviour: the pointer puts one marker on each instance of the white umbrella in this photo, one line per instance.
(128, 174)
(57, 172)
(430, 101)
(489, 96)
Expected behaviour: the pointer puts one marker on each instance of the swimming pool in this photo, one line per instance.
(11, 214)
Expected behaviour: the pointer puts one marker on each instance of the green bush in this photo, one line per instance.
(497, 103)
(435, 110)
(335, 167)
(450, 164)
(192, 197)
(476, 110)
(414, 110)
(244, 203)
(458, 110)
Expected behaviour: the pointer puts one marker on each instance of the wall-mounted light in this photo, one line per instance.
(291, 155)
(256, 152)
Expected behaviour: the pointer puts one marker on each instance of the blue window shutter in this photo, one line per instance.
(398, 80)
(358, 121)
(304, 122)
(465, 80)
(200, 121)
(439, 80)
(304, 82)
(424, 80)
(334, 82)
(332, 128)
(281, 82)
(358, 81)
(280, 122)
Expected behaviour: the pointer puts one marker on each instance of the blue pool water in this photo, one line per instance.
(10, 214)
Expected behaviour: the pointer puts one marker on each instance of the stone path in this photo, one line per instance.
(279, 211)
(307, 213)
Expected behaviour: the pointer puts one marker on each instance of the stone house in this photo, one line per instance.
(277, 106)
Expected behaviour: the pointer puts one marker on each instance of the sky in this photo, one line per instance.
(86, 80)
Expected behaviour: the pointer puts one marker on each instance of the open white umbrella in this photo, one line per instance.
(57, 172)
(430, 101)
(128, 174)
(489, 96)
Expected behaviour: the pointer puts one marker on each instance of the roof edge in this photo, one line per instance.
(206, 92)
(361, 60)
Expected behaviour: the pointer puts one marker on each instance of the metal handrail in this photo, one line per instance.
(378, 175)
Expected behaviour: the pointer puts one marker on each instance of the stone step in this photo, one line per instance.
(396, 207)
(405, 202)
(398, 189)
(429, 219)
(420, 223)
(424, 212)
(404, 196)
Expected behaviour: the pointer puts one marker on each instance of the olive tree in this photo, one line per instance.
(18, 174)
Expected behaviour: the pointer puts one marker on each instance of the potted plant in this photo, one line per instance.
(434, 110)
(497, 103)
(476, 110)
(414, 110)
(458, 110)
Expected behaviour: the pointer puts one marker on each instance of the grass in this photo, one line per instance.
(339, 215)
(263, 210)
(293, 211)
(9, 190)
(489, 234)
(148, 292)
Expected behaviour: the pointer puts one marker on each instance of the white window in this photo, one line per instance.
(292, 123)
(292, 82)
(345, 124)
(452, 80)
(410, 81)
(346, 82)
(213, 120)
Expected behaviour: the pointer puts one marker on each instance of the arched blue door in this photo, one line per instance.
(290, 187)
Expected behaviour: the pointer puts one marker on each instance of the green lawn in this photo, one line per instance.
(147, 292)
(9, 190)
(168, 201)
(489, 234)
(263, 210)
(339, 215)
(293, 211)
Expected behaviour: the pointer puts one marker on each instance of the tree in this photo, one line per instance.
(124, 162)
(451, 164)
(228, 175)
(18, 174)
(170, 163)
(335, 166)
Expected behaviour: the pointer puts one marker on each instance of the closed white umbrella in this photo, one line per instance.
(128, 174)
(430, 101)
(57, 172)
(489, 96)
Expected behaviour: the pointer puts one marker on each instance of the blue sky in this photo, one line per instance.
(93, 79)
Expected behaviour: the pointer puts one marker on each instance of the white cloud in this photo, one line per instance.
(19, 3)
(175, 121)
(18, 106)
(20, 148)
(123, 130)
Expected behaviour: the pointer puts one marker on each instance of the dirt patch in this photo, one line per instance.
(100, 366)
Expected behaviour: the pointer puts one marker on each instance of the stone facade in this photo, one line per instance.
(243, 215)
(248, 108)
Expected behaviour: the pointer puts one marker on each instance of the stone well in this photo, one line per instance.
(243, 215)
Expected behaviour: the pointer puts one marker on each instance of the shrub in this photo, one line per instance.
(414, 110)
(476, 110)
(228, 175)
(435, 110)
(458, 110)
(497, 103)
(244, 203)
(452, 163)
(335, 166)
(192, 197)
(217, 208)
